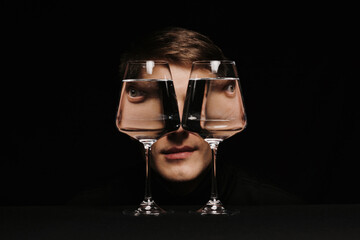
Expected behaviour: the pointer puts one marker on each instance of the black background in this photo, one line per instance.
(60, 89)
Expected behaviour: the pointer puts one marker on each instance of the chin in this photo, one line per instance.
(180, 174)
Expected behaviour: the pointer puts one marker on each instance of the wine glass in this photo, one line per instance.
(214, 109)
(147, 110)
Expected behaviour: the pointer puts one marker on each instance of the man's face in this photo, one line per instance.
(181, 155)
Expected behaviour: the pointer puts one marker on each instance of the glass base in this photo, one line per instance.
(213, 207)
(146, 208)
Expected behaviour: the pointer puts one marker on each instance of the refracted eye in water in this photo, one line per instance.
(148, 107)
(213, 107)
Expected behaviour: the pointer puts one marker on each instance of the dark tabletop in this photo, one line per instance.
(250, 222)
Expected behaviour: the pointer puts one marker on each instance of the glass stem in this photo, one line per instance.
(214, 146)
(147, 146)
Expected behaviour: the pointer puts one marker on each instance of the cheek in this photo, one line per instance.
(146, 115)
(150, 108)
(205, 151)
(158, 146)
(219, 105)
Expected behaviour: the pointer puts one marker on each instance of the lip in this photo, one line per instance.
(178, 153)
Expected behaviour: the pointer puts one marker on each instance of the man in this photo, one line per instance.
(181, 160)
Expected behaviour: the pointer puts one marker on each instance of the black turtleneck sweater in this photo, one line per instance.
(127, 188)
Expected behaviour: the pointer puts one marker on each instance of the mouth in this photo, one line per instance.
(178, 153)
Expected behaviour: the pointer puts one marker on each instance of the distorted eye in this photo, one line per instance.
(135, 95)
(230, 89)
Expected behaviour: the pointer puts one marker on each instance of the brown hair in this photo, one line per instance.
(176, 45)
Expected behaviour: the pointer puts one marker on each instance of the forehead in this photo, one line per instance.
(183, 72)
(160, 72)
(180, 71)
(180, 75)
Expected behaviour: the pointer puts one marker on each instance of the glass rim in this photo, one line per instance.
(214, 60)
(145, 61)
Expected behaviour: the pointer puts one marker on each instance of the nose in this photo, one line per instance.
(180, 106)
(180, 134)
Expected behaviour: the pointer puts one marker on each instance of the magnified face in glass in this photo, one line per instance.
(214, 100)
(223, 108)
(143, 95)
